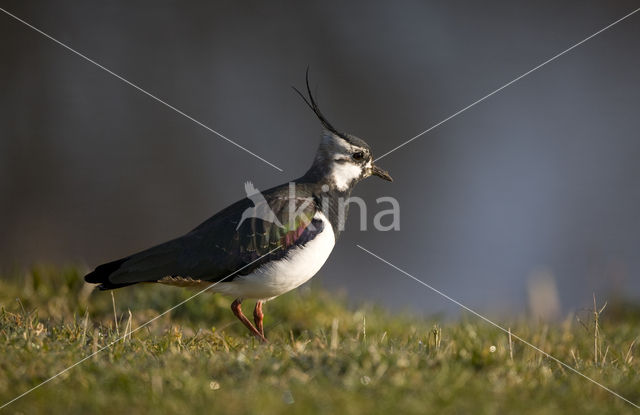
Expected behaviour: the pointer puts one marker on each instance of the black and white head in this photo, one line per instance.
(342, 159)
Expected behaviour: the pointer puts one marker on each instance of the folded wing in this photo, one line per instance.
(215, 249)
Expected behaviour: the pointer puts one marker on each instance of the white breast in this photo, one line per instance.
(284, 275)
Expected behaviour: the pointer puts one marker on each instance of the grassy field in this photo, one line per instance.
(324, 357)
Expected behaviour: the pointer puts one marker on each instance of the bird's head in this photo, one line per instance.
(342, 159)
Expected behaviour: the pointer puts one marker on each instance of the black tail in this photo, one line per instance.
(101, 275)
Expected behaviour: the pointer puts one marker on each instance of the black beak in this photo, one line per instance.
(377, 171)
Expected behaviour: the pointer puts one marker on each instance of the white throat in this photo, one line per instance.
(343, 174)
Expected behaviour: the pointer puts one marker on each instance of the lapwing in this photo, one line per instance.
(246, 255)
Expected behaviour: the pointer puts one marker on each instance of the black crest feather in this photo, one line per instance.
(311, 102)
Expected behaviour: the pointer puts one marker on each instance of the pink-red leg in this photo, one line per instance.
(236, 307)
(258, 316)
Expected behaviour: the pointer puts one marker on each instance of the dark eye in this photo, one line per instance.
(358, 156)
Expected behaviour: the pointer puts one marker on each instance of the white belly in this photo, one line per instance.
(283, 275)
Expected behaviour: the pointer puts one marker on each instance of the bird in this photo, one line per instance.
(240, 254)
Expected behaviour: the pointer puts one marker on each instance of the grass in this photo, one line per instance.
(324, 357)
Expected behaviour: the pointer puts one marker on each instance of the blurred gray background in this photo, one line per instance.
(538, 183)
